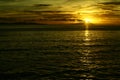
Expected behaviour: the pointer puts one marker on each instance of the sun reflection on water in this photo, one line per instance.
(87, 36)
(87, 50)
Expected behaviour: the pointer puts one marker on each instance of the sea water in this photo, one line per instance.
(59, 55)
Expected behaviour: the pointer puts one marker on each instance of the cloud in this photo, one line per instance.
(111, 3)
(42, 5)
(109, 9)
(37, 17)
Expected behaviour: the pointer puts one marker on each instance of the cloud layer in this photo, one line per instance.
(109, 9)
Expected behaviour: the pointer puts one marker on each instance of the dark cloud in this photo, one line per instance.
(110, 9)
(105, 7)
(111, 6)
(37, 16)
(42, 5)
(111, 3)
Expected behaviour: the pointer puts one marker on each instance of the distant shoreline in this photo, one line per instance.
(54, 27)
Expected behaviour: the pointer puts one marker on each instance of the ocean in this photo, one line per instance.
(59, 54)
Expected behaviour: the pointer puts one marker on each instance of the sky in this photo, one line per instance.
(96, 11)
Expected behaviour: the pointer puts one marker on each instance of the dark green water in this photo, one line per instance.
(60, 55)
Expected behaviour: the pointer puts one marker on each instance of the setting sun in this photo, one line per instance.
(88, 20)
(91, 20)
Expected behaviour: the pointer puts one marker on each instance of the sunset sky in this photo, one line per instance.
(94, 11)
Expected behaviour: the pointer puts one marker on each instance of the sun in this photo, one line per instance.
(92, 20)
(88, 20)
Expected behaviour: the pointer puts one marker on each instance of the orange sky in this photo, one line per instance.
(68, 11)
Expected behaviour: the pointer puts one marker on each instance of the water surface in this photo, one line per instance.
(60, 55)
